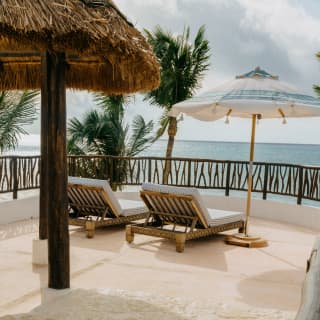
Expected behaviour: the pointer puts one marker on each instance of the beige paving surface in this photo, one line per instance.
(208, 269)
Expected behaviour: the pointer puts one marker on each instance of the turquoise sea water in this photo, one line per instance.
(265, 152)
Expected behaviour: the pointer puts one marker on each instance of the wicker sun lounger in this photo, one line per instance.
(179, 214)
(93, 204)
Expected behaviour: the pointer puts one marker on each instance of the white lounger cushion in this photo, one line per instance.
(130, 207)
(123, 207)
(213, 217)
(219, 217)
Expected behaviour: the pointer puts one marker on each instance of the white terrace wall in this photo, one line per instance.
(21, 209)
(306, 216)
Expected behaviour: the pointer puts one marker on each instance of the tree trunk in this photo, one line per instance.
(54, 167)
(172, 131)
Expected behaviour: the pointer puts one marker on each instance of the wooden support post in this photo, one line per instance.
(54, 161)
(43, 204)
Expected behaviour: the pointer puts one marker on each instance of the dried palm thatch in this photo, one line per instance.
(104, 52)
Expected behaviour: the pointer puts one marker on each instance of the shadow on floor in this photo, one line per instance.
(19, 228)
(261, 290)
(110, 238)
(208, 252)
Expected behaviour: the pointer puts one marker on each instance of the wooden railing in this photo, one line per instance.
(301, 182)
(19, 173)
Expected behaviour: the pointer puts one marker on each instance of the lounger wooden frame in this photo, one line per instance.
(94, 208)
(167, 209)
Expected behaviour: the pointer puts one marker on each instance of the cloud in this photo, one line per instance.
(142, 12)
(279, 35)
(289, 27)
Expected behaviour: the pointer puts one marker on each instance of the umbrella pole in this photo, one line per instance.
(250, 173)
(244, 239)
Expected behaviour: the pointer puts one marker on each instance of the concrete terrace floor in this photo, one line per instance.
(269, 277)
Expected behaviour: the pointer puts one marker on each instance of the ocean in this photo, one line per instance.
(265, 152)
(304, 154)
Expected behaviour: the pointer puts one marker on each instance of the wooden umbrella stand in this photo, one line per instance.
(244, 239)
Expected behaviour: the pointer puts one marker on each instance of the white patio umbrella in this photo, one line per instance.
(256, 95)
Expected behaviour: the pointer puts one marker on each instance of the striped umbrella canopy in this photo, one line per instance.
(256, 95)
(256, 92)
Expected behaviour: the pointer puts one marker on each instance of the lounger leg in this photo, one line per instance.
(180, 241)
(90, 228)
(129, 234)
(241, 229)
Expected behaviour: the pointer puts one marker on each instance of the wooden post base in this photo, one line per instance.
(40, 251)
(180, 241)
(242, 240)
(90, 228)
(129, 234)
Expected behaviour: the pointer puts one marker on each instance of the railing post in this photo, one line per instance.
(228, 179)
(111, 170)
(71, 170)
(265, 182)
(149, 170)
(300, 187)
(189, 173)
(15, 177)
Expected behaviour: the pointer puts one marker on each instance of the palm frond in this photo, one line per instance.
(75, 148)
(182, 65)
(317, 90)
(114, 104)
(163, 125)
(16, 111)
(141, 137)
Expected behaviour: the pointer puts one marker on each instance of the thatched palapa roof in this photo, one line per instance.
(104, 52)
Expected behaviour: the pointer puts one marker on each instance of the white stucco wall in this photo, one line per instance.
(20, 209)
(302, 215)
(306, 216)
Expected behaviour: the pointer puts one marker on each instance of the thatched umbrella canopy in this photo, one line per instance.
(104, 52)
(59, 44)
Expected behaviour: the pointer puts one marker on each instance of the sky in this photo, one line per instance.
(280, 36)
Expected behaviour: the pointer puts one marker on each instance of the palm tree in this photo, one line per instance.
(17, 109)
(182, 67)
(104, 132)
